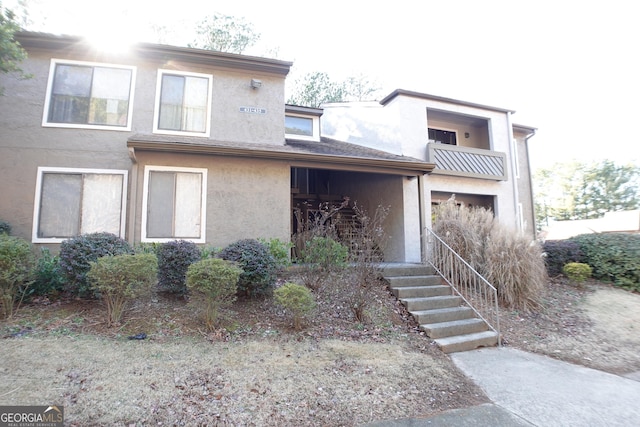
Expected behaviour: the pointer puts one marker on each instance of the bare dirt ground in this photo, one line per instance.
(595, 325)
(261, 372)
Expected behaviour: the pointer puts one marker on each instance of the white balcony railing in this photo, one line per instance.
(469, 162)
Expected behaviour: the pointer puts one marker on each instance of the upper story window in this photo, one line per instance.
(89, 95)
(70, 202)
(298, 126)
(442, 136)
(183, 103)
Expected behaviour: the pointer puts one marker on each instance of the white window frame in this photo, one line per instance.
(203, 203)
(47, 102)
(315, 125)
(38, 198)
(156, 113)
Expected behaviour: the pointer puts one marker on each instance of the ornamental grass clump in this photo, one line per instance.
(213, 282)
(509, 260)
(122, 278)
(16, 265)
(514, 264)
(297, 300)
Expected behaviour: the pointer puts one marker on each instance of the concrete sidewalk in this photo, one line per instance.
(532, 390)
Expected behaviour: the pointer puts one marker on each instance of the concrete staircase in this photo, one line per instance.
(440, 313)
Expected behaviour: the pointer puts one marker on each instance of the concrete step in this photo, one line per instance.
(421, 291)
(454, 327)
(467, 342)
(425, 280)
(407, 270)
(443, 314)
(418, 304)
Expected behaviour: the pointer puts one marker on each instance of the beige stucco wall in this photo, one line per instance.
(404, 123)
(400, 194)
(246, 198)
(25, 144)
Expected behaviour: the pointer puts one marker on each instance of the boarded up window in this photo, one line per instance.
(73, 203)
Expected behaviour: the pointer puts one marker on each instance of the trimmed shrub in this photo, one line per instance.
(613, 257)
(558, 253)
(326, 253)
(146, 248)
(5, 227)
(577, 272)
(280, 250)
(77, 254)
(209, 251)
(16, 266)
(297, 299)
(121, 278)
(258, 265)
(174, 258)
(215, 282)
(48, 278)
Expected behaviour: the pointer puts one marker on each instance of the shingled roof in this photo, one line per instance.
(325, 152)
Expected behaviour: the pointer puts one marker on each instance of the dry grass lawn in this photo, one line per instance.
(333, 373)
(257, 382)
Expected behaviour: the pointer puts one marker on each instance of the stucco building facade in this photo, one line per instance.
(158, 143)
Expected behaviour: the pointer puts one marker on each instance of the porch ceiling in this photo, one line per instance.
(328, 154)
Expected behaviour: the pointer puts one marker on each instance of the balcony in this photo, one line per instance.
(467, 162)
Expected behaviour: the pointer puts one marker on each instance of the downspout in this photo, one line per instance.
(133, 197)
(423, 223)
(533, 203)
(514, 179)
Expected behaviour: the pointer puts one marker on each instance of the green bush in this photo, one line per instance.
(146, 248)
(209, 251)
(558, 253)
(297, 299)
(5, 227)
(326, 253)
(577, 271)
(16, 266)
(121, 278)
(174, 258)
(613, 257)
(258, 265)
(77, 254)
(280, 250)
(214, 281)
(48, 278)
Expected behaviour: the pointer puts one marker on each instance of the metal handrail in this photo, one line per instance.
(465, 281)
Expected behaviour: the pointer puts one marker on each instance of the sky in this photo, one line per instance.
(569, 68)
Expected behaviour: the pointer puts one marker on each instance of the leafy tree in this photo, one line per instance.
(11, 53)
(608, 187)
(317, 88)
(582, 191)
(225, 33)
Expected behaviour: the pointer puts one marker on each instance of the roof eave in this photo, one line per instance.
(397, 167)
(413, 94)
(29, 39)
